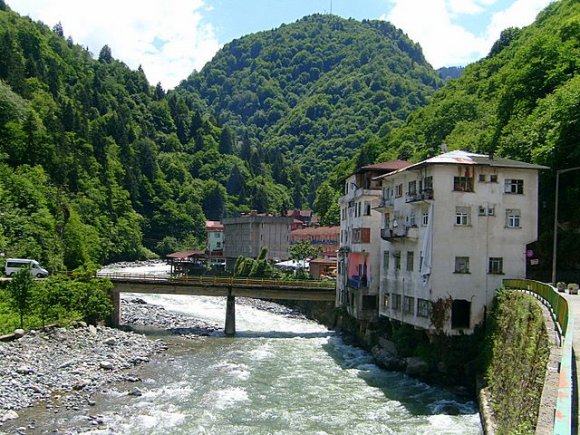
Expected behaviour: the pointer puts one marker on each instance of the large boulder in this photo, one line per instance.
(387, 360)
(416, 367)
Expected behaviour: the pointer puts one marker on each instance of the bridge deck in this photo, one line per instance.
(225, 286)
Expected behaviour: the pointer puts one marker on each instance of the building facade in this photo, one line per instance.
(324, 238)
(247, 234)
(452, 227)
(358, 262)
(215, 243)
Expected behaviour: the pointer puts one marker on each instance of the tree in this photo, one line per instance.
(20, 289)
(105, 54)
(227, 140)
(302, 250)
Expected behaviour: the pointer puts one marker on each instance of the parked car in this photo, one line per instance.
(13, 265)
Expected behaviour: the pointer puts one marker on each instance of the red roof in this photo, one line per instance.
(214, 226)
(392, 165)
(317, 231)
(186, 254)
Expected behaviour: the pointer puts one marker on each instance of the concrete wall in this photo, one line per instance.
(246, 235)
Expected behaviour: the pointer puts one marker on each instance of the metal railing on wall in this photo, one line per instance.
(565, 322)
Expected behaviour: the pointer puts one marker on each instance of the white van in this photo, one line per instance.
(13, 265)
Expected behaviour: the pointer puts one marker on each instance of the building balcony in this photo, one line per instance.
(400, 234)
(356, 281)
(385, 204)
(424, 195)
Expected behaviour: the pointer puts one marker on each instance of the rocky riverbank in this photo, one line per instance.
(62, 368)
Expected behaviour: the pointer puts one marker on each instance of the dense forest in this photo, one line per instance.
(316, 91)
(98, 165)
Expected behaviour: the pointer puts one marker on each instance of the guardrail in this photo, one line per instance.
(560, 312)
(221, 281)
(557, 303)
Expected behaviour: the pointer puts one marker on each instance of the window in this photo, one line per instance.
(385, 301)
(493, 178)
(386, 194)
(396, 301)
(425, 218)
(463, 184)
(411, 219)
(428, 183)
(423, 308)
(462, 216)
(461, 264)
(386, 260)
(397, 255)
(412, 187)
(495, 265)
(486, 211)
(482, 178)
(410, 261)
(514, 186)
(409, 305)
(398, 190)
(513, 218)
(460, 314)
(367, 208)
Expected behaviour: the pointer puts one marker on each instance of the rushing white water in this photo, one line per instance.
(280, 375)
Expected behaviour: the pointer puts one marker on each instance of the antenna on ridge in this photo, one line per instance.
(330, 7)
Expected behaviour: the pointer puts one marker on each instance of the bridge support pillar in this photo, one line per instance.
(115, 318)
(230, 329)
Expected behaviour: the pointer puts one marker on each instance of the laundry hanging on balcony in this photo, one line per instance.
(427, 248)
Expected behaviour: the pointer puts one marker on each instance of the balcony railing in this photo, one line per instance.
(424, 195)
(385, 203)
(393, 235)
(357, 282)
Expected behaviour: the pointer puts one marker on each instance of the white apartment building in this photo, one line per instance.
(358, 260)
(452, 227)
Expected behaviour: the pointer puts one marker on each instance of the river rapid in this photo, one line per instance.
(281, 374)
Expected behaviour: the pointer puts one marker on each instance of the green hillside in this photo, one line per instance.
(318, 89)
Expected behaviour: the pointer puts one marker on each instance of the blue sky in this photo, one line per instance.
(171, 38)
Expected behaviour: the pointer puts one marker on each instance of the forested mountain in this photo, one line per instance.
(97, 165)
(316, 90)
(522, 101)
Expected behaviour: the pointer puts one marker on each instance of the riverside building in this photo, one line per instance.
(451, 228)
(358, 260)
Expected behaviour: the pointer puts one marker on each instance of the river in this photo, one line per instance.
(281, 374)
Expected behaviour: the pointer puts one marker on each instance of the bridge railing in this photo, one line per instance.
(222, 281)
(565, 322)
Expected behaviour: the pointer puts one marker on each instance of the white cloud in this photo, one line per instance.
(519, 14)
(168, 38)
(430, 23)
(435, 24)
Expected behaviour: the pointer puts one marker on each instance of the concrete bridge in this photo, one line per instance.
(219, 286)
